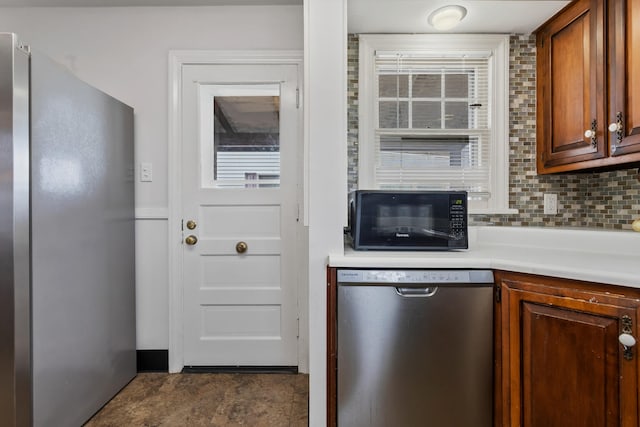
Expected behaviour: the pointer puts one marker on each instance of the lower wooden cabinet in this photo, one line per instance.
(558, 358)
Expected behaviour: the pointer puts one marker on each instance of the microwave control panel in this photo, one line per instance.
(458, 219)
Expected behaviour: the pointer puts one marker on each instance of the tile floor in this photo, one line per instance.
(205, 399)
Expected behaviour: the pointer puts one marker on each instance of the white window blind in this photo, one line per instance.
(432, 124)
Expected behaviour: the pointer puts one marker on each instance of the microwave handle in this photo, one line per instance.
(351, 214)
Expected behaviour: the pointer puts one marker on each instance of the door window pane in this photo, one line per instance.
(244, 146)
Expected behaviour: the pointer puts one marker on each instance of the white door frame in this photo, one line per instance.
(203, 57)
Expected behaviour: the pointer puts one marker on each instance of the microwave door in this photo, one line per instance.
(408, 220)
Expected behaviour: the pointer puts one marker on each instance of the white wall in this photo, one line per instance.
(326, 134)
(124, 52)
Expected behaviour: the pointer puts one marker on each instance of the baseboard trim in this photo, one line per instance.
(240, 369)
(153, 360)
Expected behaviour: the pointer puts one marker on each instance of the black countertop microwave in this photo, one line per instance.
(408, 220)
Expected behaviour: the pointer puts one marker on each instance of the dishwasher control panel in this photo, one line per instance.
(415, 276)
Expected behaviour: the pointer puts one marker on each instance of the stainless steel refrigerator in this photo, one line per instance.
(67, 291)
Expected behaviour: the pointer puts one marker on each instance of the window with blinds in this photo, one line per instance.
(434, 110)
(432, 126)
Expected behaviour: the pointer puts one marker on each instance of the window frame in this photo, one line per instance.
(498, 44)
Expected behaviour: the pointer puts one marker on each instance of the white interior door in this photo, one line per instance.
(239, 186)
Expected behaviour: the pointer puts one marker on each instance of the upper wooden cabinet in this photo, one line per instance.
(588, 73)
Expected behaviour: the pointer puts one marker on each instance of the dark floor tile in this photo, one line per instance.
(154, 399)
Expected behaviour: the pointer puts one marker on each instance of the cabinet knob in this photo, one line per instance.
(614, 127)
(589, 133)
(627, 340)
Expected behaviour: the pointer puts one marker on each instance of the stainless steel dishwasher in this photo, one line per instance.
(415, 348)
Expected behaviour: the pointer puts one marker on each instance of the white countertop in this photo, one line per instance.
(600, 256)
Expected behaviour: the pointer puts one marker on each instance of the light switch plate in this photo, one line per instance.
(550, 203)
(146, 172)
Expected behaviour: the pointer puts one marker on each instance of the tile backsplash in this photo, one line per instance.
(609, 200)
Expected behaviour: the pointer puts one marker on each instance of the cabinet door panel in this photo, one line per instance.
(570, 87)
(624, 24)
(571, 82)
(570, 366)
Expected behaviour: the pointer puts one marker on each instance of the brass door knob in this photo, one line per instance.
(191, 224)
(191, 240)
(241, 247)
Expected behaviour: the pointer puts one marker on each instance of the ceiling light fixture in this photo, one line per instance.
(447, 17)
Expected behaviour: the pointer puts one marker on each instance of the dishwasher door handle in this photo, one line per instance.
(413, 292)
